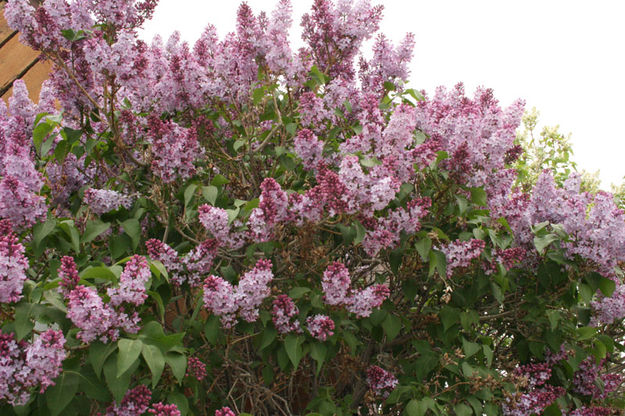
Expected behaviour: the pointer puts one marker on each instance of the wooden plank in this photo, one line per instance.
(5, 31)
(34, 79)
(15, 60)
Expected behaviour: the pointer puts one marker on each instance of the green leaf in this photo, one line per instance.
(63, 392)
(360, 232)
(293, 349)
(552, 410)
(607, 286)
(488, 353)
(129, 350)
(188, 193)
(478, 197)
(118, 385)
(212, 329)
(94, 229)
(423, 247)
(70, 230)
(210, 193)
(23, 324)
(543, 241)
(178, 364)
(155, 360)
(43, 229)
(269, 334)
(415, 94)
(40, 132)
(586, 332)
(219, 180)
(298, 292)
(469, 348)
(318, 352)
(291, 128)
(181, 401)
(463, 410)
(392, 326)
(98, 353)
(438, 263)
(132, 228)
(98, 272)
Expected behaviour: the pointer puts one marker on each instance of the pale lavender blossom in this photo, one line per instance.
(131, 283)
(102, 201)
(320, 326)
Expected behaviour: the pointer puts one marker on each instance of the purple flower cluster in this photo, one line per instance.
(224, 411)
(585, 380)
(320, 326)
(174, 149)
(380, 381)
(534, 402)
(102, 201)
(336, 285)
(225, 300)
(161, 409)
(99, 320)
(25, 366)
(460, 253)
(284, 315)
(68, 274)
(309, 148)
(215, 220)
(135, 402)
(13, 264)
(196, 368)
(131, 283)
(19, 180)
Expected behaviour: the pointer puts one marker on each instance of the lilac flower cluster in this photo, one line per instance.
(585, 380)
(161, 409)
(99, 320)
(460, 253)
(68, 274)
(380, 381)
(320, 326)
(135, 402)
(13, 264)
(131, 283)
(25, 366)
(215, 220)
(224, 411)
(225, 300)
(532, 403)
(387, 65)
(309, 148)
(284, 315)
(19, 180)
(101, 201)
(336, 285)
(196, 368)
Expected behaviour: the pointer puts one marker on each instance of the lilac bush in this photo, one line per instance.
(235, 227)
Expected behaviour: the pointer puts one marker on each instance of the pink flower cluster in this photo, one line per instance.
(99, 320)
(215, 220)
(13, 264)
(585, 380)
(102, 201)
(284, 315)
(68, 274)
(186, 269)
(24, 366)
(132, 283)
(460, 253)
(336, 285)
(174, 149)
(136, 402)
(224, 411)
(20, 182)
(380, 381)
(196, 368)
(309, 148)
(320, 326)
(272, 209)
(226, 301)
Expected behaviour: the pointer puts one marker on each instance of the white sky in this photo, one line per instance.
(565, 57)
